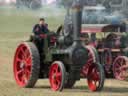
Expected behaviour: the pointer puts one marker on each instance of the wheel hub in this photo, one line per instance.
(22, 65)
(54, 76)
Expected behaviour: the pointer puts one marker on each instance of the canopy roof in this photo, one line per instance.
(94, 28)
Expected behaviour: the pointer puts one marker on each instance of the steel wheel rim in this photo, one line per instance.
(93, 78)
(55, 77)
(118, 69)
(22, 65)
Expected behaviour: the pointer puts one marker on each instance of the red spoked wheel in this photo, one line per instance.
(26, 65)
(57, 75)
(120, 68)
(95, 77)
(93, 71)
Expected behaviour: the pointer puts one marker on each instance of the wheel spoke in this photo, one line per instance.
(54, 80)
(121, 62)
(91, 76)
(90, 60)
(28, 64)
(24, 79)
(28, 60)
(20, 72)
(22, 50)
(53, 70)
(18, 59)
(97, 76)
(57, 68)
(27, 73)
(27, 54)
(28, 68)
(118, 64)
(58, 82)
(22, 53)
(95, 82)
(58, 74)
(85, 70)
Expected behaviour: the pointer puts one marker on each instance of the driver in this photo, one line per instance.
(41, 28)
(40, 32)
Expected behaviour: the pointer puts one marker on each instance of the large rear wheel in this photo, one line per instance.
(57, 76)
(26, 65)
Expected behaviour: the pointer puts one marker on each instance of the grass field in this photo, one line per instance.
(16, 26)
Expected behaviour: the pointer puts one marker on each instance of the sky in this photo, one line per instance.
(48, 1)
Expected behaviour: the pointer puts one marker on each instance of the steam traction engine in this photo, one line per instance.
(107, 32)
(60, 57)
(111, 43)
(113, 50)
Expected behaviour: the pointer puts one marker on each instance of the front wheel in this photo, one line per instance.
(57, 75)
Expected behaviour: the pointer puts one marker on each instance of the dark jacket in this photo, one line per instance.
(38, 30)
